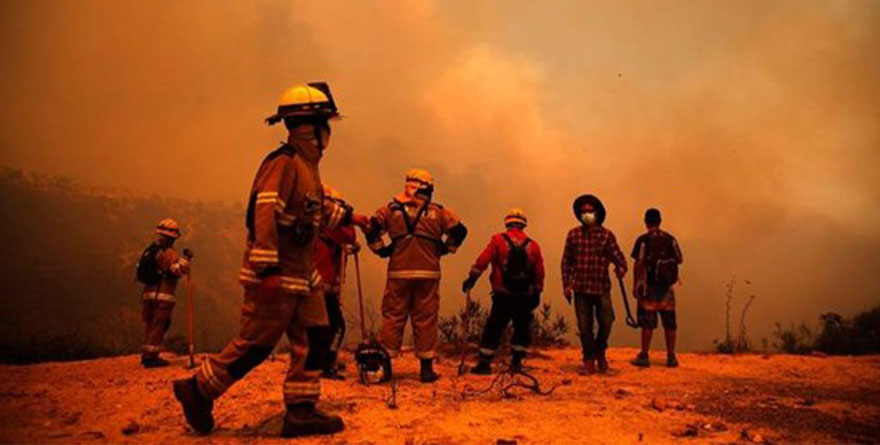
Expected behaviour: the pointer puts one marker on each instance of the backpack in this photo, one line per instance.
(517, 273)
(662, 261)
(148, 266)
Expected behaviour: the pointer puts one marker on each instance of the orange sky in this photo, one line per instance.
(753, 125)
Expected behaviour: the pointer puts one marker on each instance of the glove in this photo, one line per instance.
(468, 283)
(385, 251)
(188, 254)
(352, 249)
(534, 301)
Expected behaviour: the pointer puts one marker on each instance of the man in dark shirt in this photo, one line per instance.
(657, 256)
(589, 249)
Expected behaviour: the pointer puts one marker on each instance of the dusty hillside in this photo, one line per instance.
(710, 398)
(70, 286)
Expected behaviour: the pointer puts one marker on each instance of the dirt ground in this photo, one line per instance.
(710, 398)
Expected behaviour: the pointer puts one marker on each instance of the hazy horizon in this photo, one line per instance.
(753, 126)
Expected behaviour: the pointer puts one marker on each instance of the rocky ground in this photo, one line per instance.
(710, 398)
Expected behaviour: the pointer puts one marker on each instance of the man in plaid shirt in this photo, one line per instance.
(589, 249)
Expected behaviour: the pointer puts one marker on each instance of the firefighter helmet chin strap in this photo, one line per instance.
(318, 139)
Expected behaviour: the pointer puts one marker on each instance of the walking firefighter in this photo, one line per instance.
(517, 280)
(421, 232)
(282, 289)
(158, 269)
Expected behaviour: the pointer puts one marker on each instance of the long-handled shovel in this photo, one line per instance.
(465, 328)
(190, 309)
(630, 321)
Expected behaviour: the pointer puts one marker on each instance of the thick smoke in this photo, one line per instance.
(752, 125)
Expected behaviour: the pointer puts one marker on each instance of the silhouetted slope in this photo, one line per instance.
(67, 271)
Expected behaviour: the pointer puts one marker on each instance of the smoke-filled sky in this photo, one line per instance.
(754, 126)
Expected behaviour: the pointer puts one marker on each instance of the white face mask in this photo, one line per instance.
(588, 218)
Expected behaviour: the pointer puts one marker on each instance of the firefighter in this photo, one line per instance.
(159, 269)
(420, 232)
(333, 245)
(282, 289)
(517, 282)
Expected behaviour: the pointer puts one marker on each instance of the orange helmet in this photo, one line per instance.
(168, 227)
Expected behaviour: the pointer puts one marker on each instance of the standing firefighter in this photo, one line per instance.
(517, 282)
(332, 246)
(589, 249)
(657, 257)
(416, 227)
(282, 292)
(159, 268)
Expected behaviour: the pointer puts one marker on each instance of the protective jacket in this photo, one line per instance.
(496, 254)
(286, 211)
(420, 233)
(329, 256)
(172, 266)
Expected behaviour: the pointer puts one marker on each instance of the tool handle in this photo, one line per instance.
(357, 272)
(630, 321)
(190, 309)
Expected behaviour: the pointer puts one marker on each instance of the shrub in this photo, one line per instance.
(793, 340)
(546, 329)
(858, 335)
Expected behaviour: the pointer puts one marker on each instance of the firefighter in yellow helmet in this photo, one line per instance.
(420, 232)
(282, 290)
(159, 269)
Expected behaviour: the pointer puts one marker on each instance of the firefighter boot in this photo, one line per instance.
(331, 368)
(427, 374)
(303, 419)
(516, 363)
(484, 366)
(154, 362)
(196, 407)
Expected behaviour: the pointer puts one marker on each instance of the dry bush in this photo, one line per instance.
(547, 330)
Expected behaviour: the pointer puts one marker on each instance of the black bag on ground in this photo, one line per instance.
(518, 273)
(662, 261)
(148, 266)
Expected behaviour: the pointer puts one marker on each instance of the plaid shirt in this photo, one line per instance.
(588, 252)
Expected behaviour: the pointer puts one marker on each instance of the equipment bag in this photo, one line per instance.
(517, 273)
(148, 266)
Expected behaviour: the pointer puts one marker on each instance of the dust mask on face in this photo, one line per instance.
(588, 218)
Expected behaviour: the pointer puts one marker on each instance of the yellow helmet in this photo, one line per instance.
(169, 228)
(311, 99)
(516, 215)
(332, 193)
(421, 176)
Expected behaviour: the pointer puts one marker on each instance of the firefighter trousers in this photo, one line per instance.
(265, 317)
(324, 342)
(418, 299)
(507, 308)
(156, 315)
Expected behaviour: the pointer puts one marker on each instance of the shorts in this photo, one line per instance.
(648, 319)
